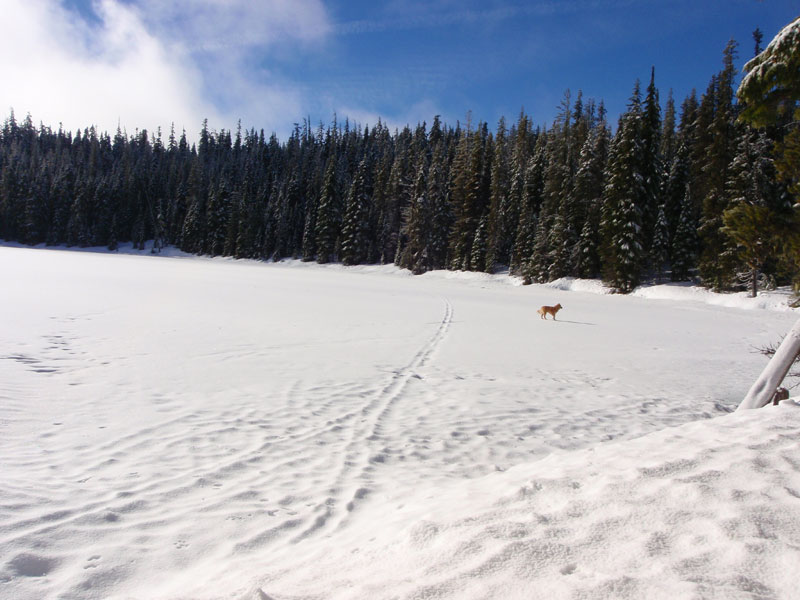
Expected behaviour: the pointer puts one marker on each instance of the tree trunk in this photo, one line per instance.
(754, 283)
(771, 377)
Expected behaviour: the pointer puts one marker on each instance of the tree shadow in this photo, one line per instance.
(574, 322)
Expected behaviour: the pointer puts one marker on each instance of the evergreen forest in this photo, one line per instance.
(681, 192)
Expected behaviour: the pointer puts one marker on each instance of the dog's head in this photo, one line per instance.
(558, 307)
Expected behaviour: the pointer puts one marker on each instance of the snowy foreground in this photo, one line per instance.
(194, 428)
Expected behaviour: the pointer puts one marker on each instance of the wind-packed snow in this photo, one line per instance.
(182, 427)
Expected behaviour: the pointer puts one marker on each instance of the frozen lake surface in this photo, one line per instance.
(181, 427)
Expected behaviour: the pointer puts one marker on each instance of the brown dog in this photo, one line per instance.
(549, 309)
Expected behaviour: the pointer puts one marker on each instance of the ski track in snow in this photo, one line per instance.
(146, 434)
(366, 449)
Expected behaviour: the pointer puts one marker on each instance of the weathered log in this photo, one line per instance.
(763, 390)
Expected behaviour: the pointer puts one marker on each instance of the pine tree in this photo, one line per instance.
(327, 223)
(554, 236)
(470, 196)
(669, 136)
(623, 249)
(355, 231)
(652, 166)
(587, 260)
(530, 206)
(216, 215)
(563, 241)
(234, 221)
(535, 267)
(79, 223)
(309, 237)
(751, 221)
(498, 247)
(193, 233)
(771, 87)
(675, 189)
(770, 92)
(659, 247)
(684, 243)
(11, 198)
(717, 262)
(393, 199)
(440, 214)
(416, 218)
(479, 243)
(512, 211)
(587, 195)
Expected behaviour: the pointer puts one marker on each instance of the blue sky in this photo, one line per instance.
(270, 63)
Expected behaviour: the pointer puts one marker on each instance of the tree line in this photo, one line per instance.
(690, 192)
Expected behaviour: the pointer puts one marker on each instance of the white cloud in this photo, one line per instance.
(151, 64)
(212, 25)
(61, 69)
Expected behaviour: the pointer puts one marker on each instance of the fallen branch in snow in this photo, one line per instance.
(763, 390)
(769, 351)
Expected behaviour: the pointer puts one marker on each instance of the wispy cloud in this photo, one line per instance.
(210, 25)
(411, 14)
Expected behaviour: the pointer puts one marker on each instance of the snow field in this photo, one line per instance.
(192, 428)
(703, 510)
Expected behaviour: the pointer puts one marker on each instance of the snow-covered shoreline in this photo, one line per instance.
(776, 300)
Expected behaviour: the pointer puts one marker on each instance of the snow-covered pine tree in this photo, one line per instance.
(556, 201)
(479, 244)
(659, 246)
(675, 189)
(587, 194)
(216, 215)
(415, 223)
(562, 240)
(683, 249)
(309, 234)
(717, 262)
(355, 230)
(587, 258)
(396, 197)
(234, 218)
(328, 217)
(669, 136)
(752, 221)
(536, 266)
(622, 250)
(498, 247)
(754, 230)
(771, 87)
(193, 233)
(512, 209)
(771, 93)
(440, 214)
(469, 195)
(530, 205)
(651, 161)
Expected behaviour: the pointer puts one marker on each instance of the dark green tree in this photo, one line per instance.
(622, 247)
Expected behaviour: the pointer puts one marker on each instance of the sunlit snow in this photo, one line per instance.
(182, 427)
